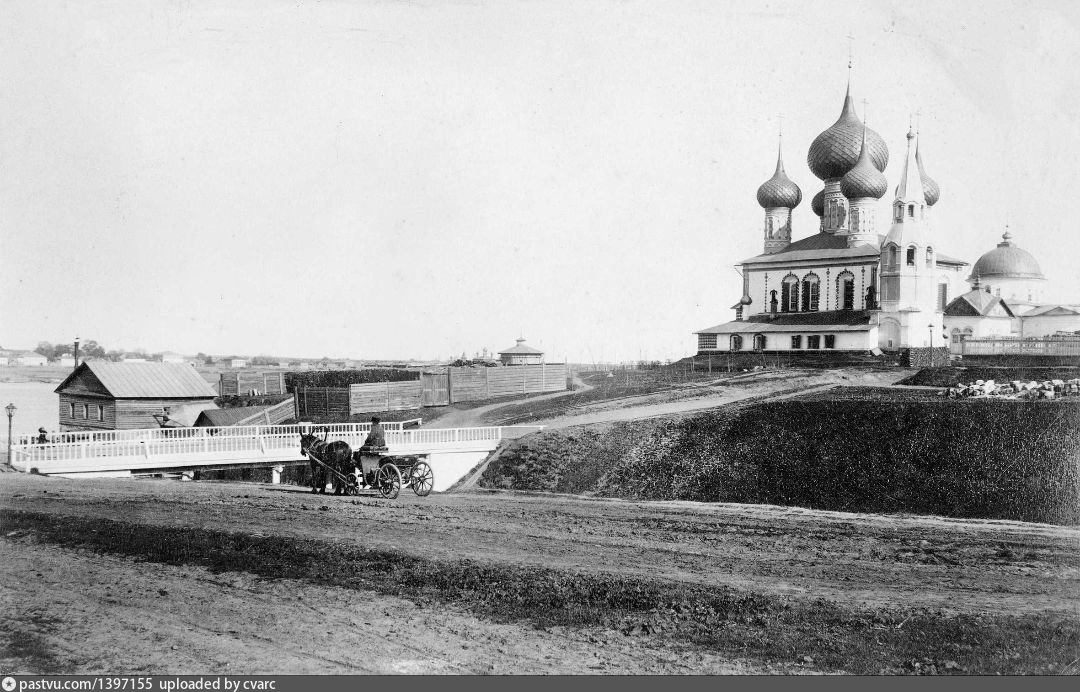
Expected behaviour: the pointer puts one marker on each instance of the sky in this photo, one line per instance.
(425, 179)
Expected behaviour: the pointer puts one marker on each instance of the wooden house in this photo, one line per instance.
(100, 395)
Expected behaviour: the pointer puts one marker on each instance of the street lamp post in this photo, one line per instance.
(10, 408)
(931, 328)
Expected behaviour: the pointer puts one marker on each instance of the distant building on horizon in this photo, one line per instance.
(521, 354)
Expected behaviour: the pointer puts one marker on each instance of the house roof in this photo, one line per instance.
(1053, 310)
(830, 321)
(521, 348)
(976, 303)
(144, 380)
(222, 417)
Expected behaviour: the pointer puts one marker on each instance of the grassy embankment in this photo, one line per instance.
(855, 450)
(765, 629)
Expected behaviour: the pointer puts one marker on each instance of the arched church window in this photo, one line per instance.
(736, 342)
(810, 289)
(911, 256)
(929, 258)
(845, 290)
(894, 256)
(911, 210)
(789, 294)
(759, 342)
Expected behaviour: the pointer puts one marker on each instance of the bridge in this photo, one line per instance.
(451, 452)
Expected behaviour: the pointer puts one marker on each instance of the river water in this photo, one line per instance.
(36, 406)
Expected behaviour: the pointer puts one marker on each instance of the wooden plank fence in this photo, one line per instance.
(475, 384)
(244, 381)
(437, 389)
(1016, 346)
(384, 396)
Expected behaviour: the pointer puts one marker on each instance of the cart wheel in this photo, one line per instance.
(389, 481)
(352, 485)
(421, 478)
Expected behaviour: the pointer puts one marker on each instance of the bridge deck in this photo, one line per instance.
(189, 448)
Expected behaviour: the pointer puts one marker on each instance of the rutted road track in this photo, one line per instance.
(71, 609)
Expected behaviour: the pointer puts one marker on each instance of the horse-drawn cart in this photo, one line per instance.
(371, 468)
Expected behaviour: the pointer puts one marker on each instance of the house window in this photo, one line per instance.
(706, 341)
(830, 341)
(789, 294)
(759, 342)
(85, 411)
(736, 342)
(796, 341)
(100, 412)
(813, 341)
(911, 257)
(71, 410)
(810, 293)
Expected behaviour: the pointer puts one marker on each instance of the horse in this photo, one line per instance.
(337, 455)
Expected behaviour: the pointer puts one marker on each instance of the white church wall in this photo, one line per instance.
(762, 282)
(782, 341)
(1045, 325)
(980, 326)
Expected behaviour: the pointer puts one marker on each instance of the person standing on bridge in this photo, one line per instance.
(376, 438)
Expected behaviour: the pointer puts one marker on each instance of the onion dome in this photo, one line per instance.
(1007, 261)
(817, 204)
(930, 188)
(836, 151)
(779, 191)
(864, 180)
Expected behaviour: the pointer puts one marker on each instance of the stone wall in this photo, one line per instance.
(924, 357)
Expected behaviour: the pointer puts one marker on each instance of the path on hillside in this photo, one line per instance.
(645, 406)
(467, 418)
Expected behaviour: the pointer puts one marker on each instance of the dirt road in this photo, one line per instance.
(70, 609)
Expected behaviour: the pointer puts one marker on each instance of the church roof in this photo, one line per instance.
(830, 246)
(1006, 261)
(779, 190)
(818, 246)
(977, 303)
(828, 321)
(835, 151)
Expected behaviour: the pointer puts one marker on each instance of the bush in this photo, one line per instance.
(343, 378)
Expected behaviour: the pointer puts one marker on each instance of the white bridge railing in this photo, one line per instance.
(178, 447)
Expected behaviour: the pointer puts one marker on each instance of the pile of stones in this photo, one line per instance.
(1048, 389)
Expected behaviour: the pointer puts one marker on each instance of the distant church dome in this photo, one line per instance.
(864, 180)
(1006, 261)
(931, 191)
(779, 190)
(817, 204)
(836, 150)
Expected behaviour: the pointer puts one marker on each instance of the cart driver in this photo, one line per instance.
(376, 438)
